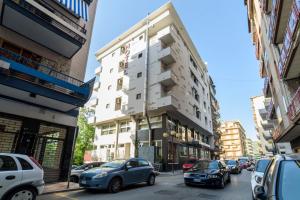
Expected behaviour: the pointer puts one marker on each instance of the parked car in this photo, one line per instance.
(189, 164)
(258, 172)
(244, 164)
(113, 176)
(76, 172)
(281, 179)
(234, 166)
(212, 173)
(21, 177)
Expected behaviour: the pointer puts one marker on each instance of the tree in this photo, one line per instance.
(85, 136)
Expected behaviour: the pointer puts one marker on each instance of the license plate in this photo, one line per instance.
(83, 181)
(197, 180)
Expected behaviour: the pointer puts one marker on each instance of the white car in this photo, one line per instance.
(258, 173)
(21, 177)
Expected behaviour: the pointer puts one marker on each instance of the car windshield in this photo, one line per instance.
(81, 167)
(261, 165)
(113, 164)
(243, 160)
(289, 179)
(206, 165)
(230, 162)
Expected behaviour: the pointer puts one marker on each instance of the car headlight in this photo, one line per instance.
(258, 179)
(186, 175)
(103, 174)
(212, 176)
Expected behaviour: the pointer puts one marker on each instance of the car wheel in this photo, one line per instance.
(151, 180)
(22, 193)
(115, 185)
(187, 184)
(74, 179)
(222, 184)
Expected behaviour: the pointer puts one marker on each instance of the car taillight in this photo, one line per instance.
(36, 162)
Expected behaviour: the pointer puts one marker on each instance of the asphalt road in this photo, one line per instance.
(167, 187)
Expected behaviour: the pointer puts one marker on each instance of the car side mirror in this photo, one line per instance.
(259, 192)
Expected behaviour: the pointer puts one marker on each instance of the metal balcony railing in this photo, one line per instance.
(267, 87)
(270, 110)
(294, 107)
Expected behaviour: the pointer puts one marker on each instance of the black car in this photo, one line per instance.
(211, 173)
(234, 166)
(281, 179)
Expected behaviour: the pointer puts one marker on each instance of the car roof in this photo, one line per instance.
(14, 154)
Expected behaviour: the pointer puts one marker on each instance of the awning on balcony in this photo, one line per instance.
(79, 7)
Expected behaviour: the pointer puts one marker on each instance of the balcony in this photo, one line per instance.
(269, 147)
(28, 81)
(290, 52)
(267, 88)
(167, 102)
(294, 107)
(38, 21)
(96, 86)
(276, 133)
(98, 70)
(94, 102)
(167, 35)
(279, 19)
(167, 78)
(271, 110)
(267, 135)
(167, 56)
(267, 6)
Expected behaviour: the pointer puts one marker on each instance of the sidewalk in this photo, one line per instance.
(176, 172)
(60, 187)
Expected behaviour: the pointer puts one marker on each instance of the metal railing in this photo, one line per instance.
(44, 17)
(294, 107)
(266, 86)
(39, 67)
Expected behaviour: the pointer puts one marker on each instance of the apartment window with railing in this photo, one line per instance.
(125, 126)
(118, 103)
(108, 129)
(119, 84)
(193, 62)
(194, 78)
(156, 122)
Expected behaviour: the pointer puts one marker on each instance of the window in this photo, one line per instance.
(108, 129)
(261, 165)
(107, 106)
(138, 96)
(132, 164)
(139, 75)
(7, 163)
(119, 84)
(204, 105)
(109, 87)
(111, 70)
(125, 126)
(205, 120)
(118, 103)
(140, 55)
(141, 37)
(143, 163)
(113, 54)
(121, 66)
(25, 165)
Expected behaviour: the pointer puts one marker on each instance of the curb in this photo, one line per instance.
(61, 191)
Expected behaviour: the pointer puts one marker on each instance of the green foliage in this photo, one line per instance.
(85, 137)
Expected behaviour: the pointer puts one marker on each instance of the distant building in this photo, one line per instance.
(249, 148)
(233, 140)
(257, 150)
(154, 92)
(275, 31)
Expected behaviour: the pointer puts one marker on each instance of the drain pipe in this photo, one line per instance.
(145, 110)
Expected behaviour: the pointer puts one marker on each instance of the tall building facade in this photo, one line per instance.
(154, 91)
(43, 54)
(233, 140)
(274, 25)
(249, 148)
(257, 149)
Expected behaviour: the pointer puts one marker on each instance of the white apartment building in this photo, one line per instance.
(153, 69)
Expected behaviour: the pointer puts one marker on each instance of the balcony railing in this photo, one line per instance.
(276, 132)
(271, 110)
(273, 19)
(29, 70)
(288, 41)
(267, 87)
(294, 107)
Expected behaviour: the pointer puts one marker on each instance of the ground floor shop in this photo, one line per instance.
(50, 144)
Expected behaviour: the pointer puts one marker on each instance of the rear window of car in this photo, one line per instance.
(262, 165)
(289, 180)
(7, 163)
(230, 162)
(25, 165)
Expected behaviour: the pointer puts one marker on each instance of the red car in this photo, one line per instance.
(189, 164)
(244, 164)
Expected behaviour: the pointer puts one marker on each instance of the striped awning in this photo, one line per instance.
(79, 7)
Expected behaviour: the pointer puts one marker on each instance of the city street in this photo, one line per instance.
(167, 187)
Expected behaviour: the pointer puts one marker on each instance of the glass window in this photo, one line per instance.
(25, 165)
(139, 75)
(206, 165)
(125, 126)
(289, 179)
(156, 122)
(262, 165)
(143, 163)
(108, 129)
(7, 163)
(132, 163)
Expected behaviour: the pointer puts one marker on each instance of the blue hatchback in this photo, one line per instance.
(114, 175)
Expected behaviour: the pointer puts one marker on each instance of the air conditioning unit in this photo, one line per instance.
(122, 64)
(118, 100)
(120, 81)
(123, 49)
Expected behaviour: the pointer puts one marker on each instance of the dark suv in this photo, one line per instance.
(281, 179)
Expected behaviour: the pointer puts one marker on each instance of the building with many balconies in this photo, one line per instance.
(43, 54)
(154, 91)
(275, 29)
(233, 140)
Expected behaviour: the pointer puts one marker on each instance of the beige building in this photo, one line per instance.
(275, 29)
(249, 148)
(233, 140)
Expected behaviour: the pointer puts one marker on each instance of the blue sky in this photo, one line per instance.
(220, 32)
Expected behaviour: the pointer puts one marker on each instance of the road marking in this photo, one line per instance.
(65, 196)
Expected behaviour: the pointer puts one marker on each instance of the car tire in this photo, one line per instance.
(115, 185)
(151, 180)
(27, 193)
(74, 179)
(187, 184)
(222, 184)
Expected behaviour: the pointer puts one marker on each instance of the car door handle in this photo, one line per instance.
(10, 177)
